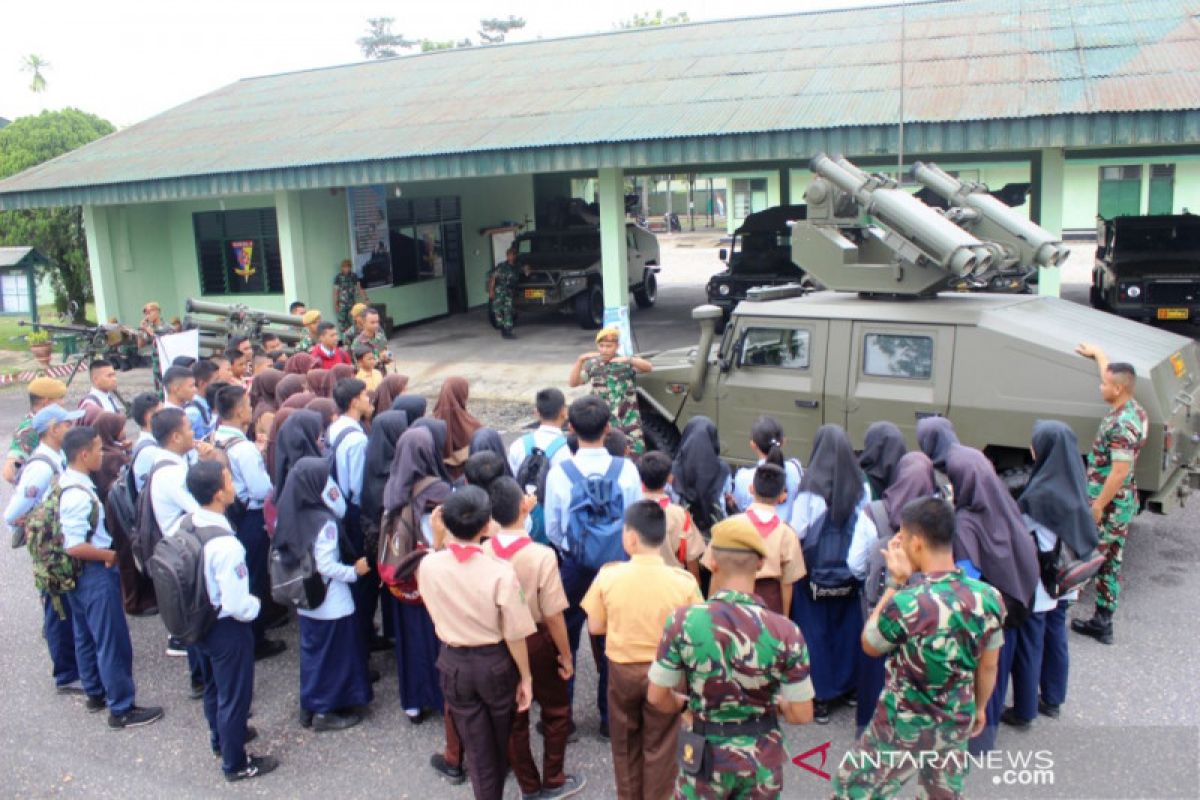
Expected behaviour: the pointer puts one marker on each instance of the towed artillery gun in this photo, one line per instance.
(111, 341)
(237, 320)
(883, 344)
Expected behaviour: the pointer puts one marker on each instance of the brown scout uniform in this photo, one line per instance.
(684, 542)
(784, 562)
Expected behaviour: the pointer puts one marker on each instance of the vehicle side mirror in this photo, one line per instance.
(723, 254)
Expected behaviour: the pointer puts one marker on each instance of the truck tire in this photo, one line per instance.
(1096, 298)
(645, 295)
(589, 307)
(660, 434)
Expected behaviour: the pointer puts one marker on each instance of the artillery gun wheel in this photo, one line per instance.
(647, 294)
(660, 434)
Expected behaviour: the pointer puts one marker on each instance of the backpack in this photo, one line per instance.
(399, 537)
(825, 550)
(177, 570)
(332, 458)
(145, 534)
(595, 516)
(533, 472)
(205, 414)
(19, 536)
(237, 509)
(298, 585)
(54, 572)
(1062, 572)
(877, 573)
(121, 503)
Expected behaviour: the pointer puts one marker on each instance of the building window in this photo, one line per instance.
(891, 356)
(775, 347)
(14, 293)
(238, 252)
(425, 238)
(749, 195)
(1120, 191)
(1162, 189)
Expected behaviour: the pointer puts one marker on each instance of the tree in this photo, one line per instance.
(648, 21)
(57, 232)
(34, 65)
(494, 31)
(430, 45)
(380, 42)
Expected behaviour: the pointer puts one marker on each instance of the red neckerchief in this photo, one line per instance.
(665, 502)
(511, 550)
(764, 527)
(463, 552)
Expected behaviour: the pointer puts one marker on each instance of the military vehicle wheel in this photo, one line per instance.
(589, 307)
(660, 434)
(1096, 298)
(646, 295)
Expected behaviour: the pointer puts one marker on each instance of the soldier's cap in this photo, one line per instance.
(311, 316)
(611, 332)
(48, 388)
(52, 415)
(738, 533)
(357, 309)
(151, 306)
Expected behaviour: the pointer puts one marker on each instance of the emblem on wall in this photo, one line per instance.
(243, 252)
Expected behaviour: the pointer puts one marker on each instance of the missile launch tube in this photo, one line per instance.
(224, 310)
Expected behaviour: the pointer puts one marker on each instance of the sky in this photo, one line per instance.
(127, 60)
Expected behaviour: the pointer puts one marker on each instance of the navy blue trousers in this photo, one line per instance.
(365, 590)
(103, 651)
(333, 665)
(1027, 665)
(60, 640)
(576, 580)
(1056, 662)
(833, 632)
(252, 533)
(871, 676)
(417, 649)
(227, 663)
(986, 740)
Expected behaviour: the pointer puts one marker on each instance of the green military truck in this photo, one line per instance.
(895, 349)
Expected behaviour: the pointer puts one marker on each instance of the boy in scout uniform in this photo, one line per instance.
(684, 545)
(628, 602)
(1110, 468)
(942, 637)
(482, 620)
(739, 667)
(42, 392)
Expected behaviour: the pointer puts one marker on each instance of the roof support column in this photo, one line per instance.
(1048, 170)
(614, 259)
(288, 216)
(101, 265)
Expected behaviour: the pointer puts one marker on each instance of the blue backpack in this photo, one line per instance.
(533, 472)
(596, 516)
(825, 549)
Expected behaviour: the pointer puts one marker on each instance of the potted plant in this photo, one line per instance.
(41, 346)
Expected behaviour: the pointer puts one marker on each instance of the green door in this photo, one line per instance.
(1162, 189)
(1121, 191)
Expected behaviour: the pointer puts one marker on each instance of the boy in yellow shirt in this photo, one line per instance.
(364, 358)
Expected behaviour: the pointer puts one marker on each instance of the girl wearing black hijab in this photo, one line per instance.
(437, 429)
(385, 432)
(488, 439)
(413, 406)
(334, 681)
(935, 437)
(992, 543)
(416, 485)
(1056, 508)
(299, 437)
(883, 447)
(833, 530)
(700, 480)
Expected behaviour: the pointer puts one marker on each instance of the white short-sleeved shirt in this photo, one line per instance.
(338, 600)
(36, 477)
(75, 509)
(169, 497)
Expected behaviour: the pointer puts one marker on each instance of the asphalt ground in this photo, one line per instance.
(1130, 727)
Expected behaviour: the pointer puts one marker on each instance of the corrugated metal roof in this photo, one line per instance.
(805, 77)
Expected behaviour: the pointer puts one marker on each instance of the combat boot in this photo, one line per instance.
(1099, 627)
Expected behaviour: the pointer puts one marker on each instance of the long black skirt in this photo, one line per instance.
(333, 666)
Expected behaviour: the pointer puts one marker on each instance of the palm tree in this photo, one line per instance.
(34, 65)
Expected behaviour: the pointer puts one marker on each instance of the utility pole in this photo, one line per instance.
(900, 138)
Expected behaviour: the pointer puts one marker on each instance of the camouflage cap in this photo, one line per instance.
(48, 388)
(311, 316)
(738, 533)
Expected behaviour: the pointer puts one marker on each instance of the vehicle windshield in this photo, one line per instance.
(559, 250)
(762, 253)
(1178, 238)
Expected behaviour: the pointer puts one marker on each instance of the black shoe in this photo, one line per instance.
(572, 786)
(74, 687)
(1099, 627)
(572, 734)
(455, 775)
(419, 717)
(1009, 717)
(850, 699)
(251, 735)
(820, 712)
(277, 619)
(334, 721)
(256, 767)
(95, 703)
(269, 648)
(146, 612)
(1048, 710)
(508, 334)
(374, 675)
(176, 648)
(135, 717)
(603, 729)
(382, 644)
(197, 691)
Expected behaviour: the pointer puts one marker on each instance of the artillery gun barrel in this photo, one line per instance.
(221, 329)
(1046, 249)
(192, 305)
(948, 245)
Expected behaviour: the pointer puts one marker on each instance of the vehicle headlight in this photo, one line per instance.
(723, 290)
(1133, 292)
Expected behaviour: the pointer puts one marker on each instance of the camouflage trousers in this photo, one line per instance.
(1114, 527)
(502, 309)
(743, 767)
(880, 765)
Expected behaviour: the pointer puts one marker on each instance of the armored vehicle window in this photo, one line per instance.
(890, 356)
(775, 347)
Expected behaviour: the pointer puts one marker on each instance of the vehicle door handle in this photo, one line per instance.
(807, 403)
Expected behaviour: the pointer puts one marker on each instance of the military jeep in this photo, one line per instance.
(1148, 268)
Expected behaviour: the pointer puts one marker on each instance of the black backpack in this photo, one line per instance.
(177, 570)
(825, 549)
(145, 534)
(121, 503)
(536, 466)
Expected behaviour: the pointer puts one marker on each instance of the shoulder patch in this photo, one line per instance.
(241, 571)
(31, 492)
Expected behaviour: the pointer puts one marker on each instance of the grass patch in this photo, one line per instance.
(12, 335)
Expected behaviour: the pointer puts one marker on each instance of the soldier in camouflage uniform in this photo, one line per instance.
(374, 339)
(346, 292)
(311, 319)
(502, 288)
(42, 392)
(740, 666)
(151, 328)
(613, 380)
(1110, 468)
(942, 636)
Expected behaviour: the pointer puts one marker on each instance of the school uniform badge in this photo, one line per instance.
(241, 571)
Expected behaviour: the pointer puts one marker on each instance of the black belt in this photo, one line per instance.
(750, 727)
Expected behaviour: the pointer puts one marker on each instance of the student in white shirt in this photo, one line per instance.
(102, 396)
(548, 437)
(767, 441)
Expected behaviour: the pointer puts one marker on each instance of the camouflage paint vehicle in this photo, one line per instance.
(993, 364)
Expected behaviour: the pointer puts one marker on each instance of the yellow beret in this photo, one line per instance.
(151, 305)
(605, 333)
(311, 316)
(738, 533)
(357, 309)
(48, 388)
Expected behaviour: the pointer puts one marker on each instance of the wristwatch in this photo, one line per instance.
(892, 583)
